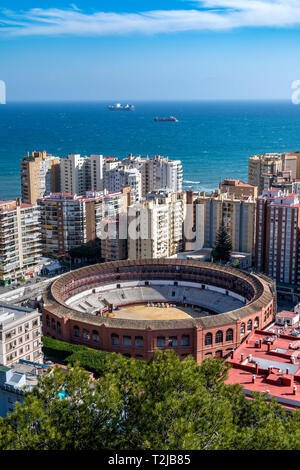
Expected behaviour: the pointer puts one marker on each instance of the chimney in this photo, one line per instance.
(294, 389)
(269, 347)
(231, 354)
(256, 368)
(253, 379)
(293, 359)
(242, 357)
(260, 343)
(287, 371)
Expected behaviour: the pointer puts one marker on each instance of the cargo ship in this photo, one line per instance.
(121, 107)
(170, 118)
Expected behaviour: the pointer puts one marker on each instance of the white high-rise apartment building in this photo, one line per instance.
(20, 240)
(155, 226)
(97, 173)
(96, 164)
(121, 176)
(157, 172)
(80, 174)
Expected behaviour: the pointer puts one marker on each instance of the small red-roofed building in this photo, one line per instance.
(238, 188)
(268, 363)
(286, 317)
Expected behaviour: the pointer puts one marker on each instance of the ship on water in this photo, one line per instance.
(121, 107)
(170, 118)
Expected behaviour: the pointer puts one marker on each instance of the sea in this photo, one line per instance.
(212, 139)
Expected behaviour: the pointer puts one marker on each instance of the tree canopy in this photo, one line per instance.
(88, 250)
(161, 404)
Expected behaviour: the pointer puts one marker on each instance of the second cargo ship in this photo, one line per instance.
(170, 118)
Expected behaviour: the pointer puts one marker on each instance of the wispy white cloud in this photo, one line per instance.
(213, 15)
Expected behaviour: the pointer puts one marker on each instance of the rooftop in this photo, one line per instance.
(287, 314)
(9, 313)
(270, 363)
(233, 182)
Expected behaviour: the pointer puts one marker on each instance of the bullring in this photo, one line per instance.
(134, 307)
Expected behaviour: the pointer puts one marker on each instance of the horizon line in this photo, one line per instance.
(139, 100)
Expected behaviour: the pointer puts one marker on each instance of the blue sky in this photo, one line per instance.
(149, 50)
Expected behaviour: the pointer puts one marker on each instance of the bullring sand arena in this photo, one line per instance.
(134, 307)
(145, 312)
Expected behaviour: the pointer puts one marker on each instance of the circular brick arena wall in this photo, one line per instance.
(215, 334)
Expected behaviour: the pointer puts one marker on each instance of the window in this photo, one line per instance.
(58, 328)
(173, 342)
(127, 341)
(208, 339)
(47, 320)
(76, 332)
(256, 322)
(242, 328)
(249, 325)
(139, 342)
(115, 340)
(95, 336)
(219, 337)
(85, 335)
(185, 340)
(161, 341)
(53, 326)
(229, 334)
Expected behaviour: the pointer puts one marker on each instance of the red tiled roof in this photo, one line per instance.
(270, 358)
(286, 314)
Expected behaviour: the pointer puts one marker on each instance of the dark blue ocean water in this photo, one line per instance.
(213, 139)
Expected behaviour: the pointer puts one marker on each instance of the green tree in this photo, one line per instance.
(89, 250)
(163, 403)
(223, 248)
